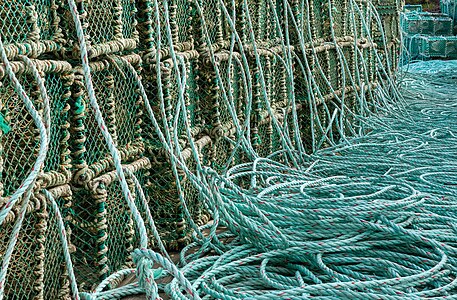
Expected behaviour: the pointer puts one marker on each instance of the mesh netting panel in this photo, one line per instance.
(58, 87)
(260, 96)
(184, 12)
(26, 267)
(339, 15)
(28, 21)
(190, 100)
(86, 230)
(170, 99)
(214, 23)
(180, 14)
(128, 18)
(221, 152)
(192, 94)
(302, 15)
(103, 230)
(321, 71)
(95, 143)
(120, 229)
(334, 66)
(232, 82)
(121, 107)
(109, 20)
(109, 27)
(168, 211)
(164, 202)
(56, 283)
(21, 143)
(37, 267)
(319, 19)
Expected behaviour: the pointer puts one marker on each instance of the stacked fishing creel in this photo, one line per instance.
(97, 233)
(388, 36)
(171, 84)
(20, 141)
(31, 28)
(100, 227)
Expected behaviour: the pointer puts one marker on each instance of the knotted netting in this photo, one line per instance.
(325, 172)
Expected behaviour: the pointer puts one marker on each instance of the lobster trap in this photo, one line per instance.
(449, 7)
(116, 90)
(37, 267)
(426, 23)
(102, 227)
(109, 26)
(438, 47)
(20, 135)
(30, 27)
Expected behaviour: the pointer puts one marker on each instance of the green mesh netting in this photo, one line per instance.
(20, 143)
(38, 268)
(30, 27)
(121, 107)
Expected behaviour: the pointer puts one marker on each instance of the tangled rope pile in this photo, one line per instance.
(370, 217)
(373, 219)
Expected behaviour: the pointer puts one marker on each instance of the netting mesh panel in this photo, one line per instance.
(278, 95)
(164, 202)
(55, 277)
(96, 147)
(26, 265)
(128, 18)
(335, 68)
(101, 15)
(302, 15)
(306, 130)
(265, 142)
(27, 20)
(168, 212)
(128, 110)
(87, 220)
(58, 92)
(270, 31)
(259, 126)
(232, 82)
(221, 151)
(192, 94)
(213, 20)
(321, 71)
(339, 11)
(103, 230)
(171, 97)
(149, 136)
(184, 11)
(256, 22)
(320, 20)
(21, 143)
(116, 92)
(120, 229)
(180, 19)
(190, 99)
